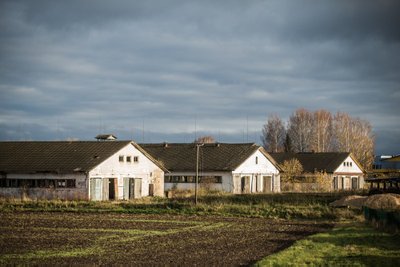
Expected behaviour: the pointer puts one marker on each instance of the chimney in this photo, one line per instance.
(105, 137)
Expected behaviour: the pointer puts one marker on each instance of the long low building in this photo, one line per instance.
(234, 168)
(95, 170)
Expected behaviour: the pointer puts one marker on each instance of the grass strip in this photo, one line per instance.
(345, 245)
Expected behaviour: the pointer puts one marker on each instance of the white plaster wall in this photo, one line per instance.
(145, 169)
(225, 186)
(80, 192)
(264, 167)
(347, 172)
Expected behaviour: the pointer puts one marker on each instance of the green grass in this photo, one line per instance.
(345, 245)
(312, 206)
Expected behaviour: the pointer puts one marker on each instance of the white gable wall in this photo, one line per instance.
(349, 169)
(256, 169)
(144, 169)
(250, 166)
(345, 173)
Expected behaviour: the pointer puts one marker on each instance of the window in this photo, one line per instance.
(38, 183)
(61, 183)
(136, 159)
(41, 183)
(351, 164)
(256, 160)
(71, 183)
(344, 164)
(121, 158)
(128, 159)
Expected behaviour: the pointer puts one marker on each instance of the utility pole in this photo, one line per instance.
(197, 172)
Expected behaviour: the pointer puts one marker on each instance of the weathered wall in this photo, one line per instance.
(78, 193)
(225, 186)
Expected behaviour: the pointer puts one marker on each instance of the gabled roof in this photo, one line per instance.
(311, 162)
(56, 156)
(212, 157)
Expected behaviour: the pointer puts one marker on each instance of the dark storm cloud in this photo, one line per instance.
(76, 68)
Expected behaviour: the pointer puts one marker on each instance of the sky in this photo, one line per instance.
(160, 70)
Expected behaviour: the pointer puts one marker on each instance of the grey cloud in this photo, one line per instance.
(79, 65)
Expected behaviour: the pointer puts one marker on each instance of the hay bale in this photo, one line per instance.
(383, 201)
(353, 201)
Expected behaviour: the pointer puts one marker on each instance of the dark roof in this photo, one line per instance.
(311, 162)
(57, 156)
(212, 157)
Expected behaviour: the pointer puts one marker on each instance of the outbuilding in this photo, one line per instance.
(234, 168)
(341, 170)
(95, 170)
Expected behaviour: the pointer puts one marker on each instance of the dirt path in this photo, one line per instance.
(103, 239)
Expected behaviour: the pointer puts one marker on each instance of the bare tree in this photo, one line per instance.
(354, 135)
(322, 131)
(342, 132)
(206, 139)
(362, 145)
(273, 134)
(300, 130)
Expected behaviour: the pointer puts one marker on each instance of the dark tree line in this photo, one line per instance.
(320, 131)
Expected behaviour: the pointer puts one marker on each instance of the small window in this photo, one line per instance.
(136, 159)
(128, 159)
(121, 158)
(61, 183)
(351, 164)
(41, 183)
(71, 183)
(344, 164)
(256, 160)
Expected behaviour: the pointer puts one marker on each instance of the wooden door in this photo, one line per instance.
(245, 184)
(137, 190)
(267, 184)
(96, 185)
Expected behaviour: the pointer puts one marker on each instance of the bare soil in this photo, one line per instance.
(40, 238)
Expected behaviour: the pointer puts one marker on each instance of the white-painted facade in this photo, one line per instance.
(128, 167)
(129, 163)
(348, 176)
(254, 175)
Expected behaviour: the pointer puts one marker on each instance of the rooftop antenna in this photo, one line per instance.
(247, 128)
(143, 131)
(58, 130)
(195, 127)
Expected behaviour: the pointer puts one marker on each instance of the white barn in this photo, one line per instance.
(235, 168)
(90, 170)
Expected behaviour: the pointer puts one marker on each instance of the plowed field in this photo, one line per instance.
(112, 238)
